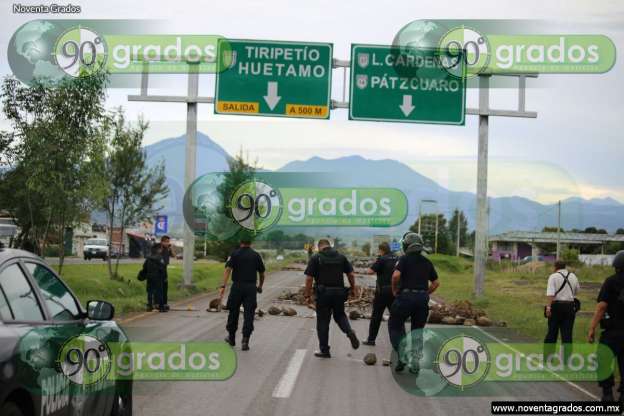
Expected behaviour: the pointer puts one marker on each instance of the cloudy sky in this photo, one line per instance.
(573, 148)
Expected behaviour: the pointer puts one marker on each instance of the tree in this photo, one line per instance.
(366, 248)
(132, 189)
(276, 239)
(620, 231)
(428, 231)
(240, 171)
(463, 229)
(594, 230)
(54, 140)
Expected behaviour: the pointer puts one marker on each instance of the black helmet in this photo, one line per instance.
(618, 260)
(412, 240)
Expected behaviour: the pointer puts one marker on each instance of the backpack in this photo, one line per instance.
(141, 276)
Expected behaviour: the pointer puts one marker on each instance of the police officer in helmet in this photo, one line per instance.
(326, 268)
(610, 314)
(383, 267)
(413, 280)
(245, 265)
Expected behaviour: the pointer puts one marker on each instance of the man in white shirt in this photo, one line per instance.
(562, 288)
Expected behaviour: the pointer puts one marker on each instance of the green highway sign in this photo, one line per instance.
(273, 78)
(406, 84)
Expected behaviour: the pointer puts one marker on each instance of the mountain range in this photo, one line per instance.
(506, 213)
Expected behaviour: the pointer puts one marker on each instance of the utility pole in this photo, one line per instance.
(458, 231)
(419, 216)
(191, 100)
(481, 231)
(206, 239)
(559, 230)
(436, 232)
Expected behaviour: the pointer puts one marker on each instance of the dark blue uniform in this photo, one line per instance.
(612, 292)
(413, 298)
(154, 271)
(166, 255)
(327, 268)
(384, 267)
(245, 263)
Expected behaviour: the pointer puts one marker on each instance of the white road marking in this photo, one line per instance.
(576, 386)
(286, 384)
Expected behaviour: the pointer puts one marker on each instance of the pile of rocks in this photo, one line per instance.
(286, 311)
(295, 267)
(360, 305)
(297, 297)
(363, 298)
(460, 313)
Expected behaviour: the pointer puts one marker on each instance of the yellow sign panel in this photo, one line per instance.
(241, 107)
(312, 111)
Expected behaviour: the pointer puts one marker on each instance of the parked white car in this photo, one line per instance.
(96, 248)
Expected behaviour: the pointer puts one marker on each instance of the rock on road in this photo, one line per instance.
(280, 376)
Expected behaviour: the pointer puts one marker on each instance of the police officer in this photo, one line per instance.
(413, 280)
(244, 264)
(383, 267)
(167, 253)
(326, 269)
(610, 314)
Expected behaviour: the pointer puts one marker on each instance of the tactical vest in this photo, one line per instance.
(384, 278)
(330, 270)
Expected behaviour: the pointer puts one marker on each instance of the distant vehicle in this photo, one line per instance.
(96, 248)
(39, 317)
(529, 259)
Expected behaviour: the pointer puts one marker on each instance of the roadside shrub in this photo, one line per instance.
(570, 256)
(52, 250)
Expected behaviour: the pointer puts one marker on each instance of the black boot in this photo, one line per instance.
(230, 340)
(400, 366)
(414, 368)
(245, 344)
(321, 354)
(607, 395)
(355, 342)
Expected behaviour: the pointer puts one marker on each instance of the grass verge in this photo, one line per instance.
(517, 296)
(91, 281)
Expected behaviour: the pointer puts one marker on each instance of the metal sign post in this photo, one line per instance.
(484, 112)
(191, 100)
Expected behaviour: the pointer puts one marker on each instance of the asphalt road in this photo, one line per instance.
(280, 375)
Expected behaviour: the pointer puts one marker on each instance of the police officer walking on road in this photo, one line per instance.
(245, 264)
(414, 279)
(383, 267)
(326, 269)
(610, 315)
